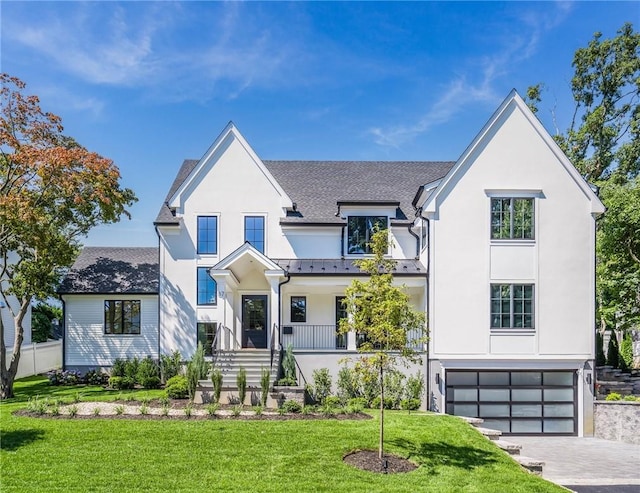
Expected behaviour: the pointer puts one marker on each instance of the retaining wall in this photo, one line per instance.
(617, 420)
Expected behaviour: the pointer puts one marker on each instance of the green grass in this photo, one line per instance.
(44, 454)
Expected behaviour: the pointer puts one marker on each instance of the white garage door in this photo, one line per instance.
(516, 402)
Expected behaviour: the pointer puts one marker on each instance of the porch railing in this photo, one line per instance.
(303, 336)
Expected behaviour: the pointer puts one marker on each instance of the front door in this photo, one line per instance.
(254, 321)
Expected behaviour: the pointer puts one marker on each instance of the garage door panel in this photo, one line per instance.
(515, 401)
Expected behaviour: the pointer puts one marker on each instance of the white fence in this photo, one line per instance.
(37, 358)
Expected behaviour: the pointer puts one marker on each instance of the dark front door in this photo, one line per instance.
(254, 321)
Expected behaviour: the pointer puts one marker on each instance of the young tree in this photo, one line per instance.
(382, 315)
(603, 142)
(52, 192)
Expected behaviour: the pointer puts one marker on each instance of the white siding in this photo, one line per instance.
(86, 344)
(559, 262)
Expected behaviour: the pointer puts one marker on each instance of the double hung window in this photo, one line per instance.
(512, 218)
(512, 306)
(254, 231)
(208, 235)
(122, 317)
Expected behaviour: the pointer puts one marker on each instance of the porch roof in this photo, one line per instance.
(344, 267)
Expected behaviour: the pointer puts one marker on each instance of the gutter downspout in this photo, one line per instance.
(64, 333)
(342, 241)
(425, 222)
(280, 284)
(417, 240)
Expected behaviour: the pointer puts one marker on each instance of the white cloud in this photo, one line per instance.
(518, 45)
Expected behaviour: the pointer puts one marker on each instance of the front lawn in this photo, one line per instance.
(72, 454)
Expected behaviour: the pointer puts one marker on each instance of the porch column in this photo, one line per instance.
(273, 277)
(351, 341)
(225, 283)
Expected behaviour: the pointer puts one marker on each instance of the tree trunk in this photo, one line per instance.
(380, 447)
(8, 375)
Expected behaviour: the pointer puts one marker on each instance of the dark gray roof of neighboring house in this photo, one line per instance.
(343, 267)
(118, 270)
(317, 186)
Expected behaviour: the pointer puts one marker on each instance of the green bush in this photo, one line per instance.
(613, 358)
(631, 398)
(321, 384)
(286, 382)
(197, 369)
(414, 389)
(118, 368)
(96, 377)
(388, 403)
(332, 401)
(347, 384)
(148, 373)
(291, 406)
(150, 382)
(394, 387)
(410, 404)
(613, 396)
(131, 368)
(265, 383)
(121, 383)
(170, 365)
(289, 366)
(626, 351)
(360, 402)
(601, 359)
(177, 387)
(241, 381)
(216, 381)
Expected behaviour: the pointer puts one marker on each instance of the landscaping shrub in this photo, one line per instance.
(288, 367)
(66, 377)
(414, 388)
(119, 367)
(197, 369)
(121, 383)
(265, 383)
(360, 402)
(216, 381)
(170, 365)
(321, 384)
(332, 401)
(394, 387)
(96, 377)
(612, 351)
(177, 388)
(626, 351)
(148, 373)
(410, 404)
(601, 359)
(241, 381)
(131, 369)
(613, 396)
(375, 403)
(347, 384)
(291, 406)
(368, 380)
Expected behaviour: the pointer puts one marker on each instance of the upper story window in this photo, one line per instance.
(206, 287)
(512, 218)
(122, 317)
(208, 234)
(512, 306)
(360, 230)
(254, 231)
(299, 309)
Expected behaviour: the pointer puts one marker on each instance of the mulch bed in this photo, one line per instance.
(368, 460)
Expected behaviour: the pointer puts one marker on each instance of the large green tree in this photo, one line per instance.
(381, 313)
(52, 192)
(603, 142)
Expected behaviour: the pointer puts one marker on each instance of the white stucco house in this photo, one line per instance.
(497, 248)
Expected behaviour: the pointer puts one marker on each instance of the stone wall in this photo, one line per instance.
(617, 420)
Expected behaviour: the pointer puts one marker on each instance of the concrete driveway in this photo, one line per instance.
(586, 465)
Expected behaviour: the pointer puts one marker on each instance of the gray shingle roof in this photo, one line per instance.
(113, 270)
(343, 267)
(317, 186)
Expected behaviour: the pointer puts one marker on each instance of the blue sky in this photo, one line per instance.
(148, 84)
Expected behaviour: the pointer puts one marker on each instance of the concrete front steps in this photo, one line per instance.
(513, 449)
(252, 360)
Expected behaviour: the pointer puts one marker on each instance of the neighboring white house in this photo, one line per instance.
(497, 248)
